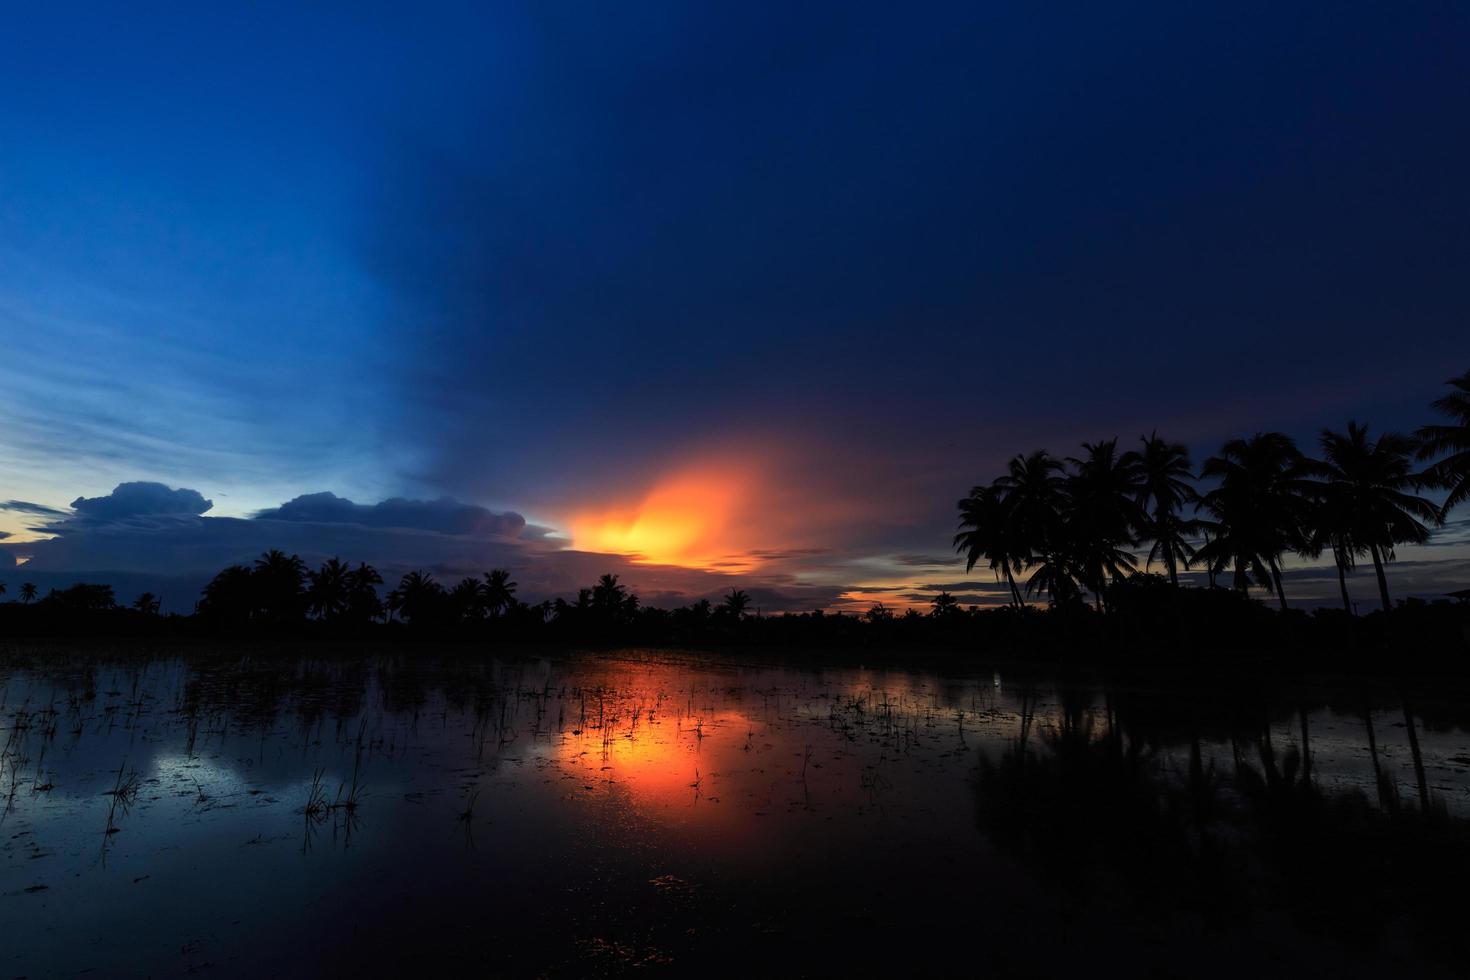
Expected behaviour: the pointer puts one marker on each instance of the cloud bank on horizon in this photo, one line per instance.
(751, 293)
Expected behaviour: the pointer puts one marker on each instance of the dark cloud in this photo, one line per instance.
(176, 554)
(141, 499)
(927, 561)
(443, 516)
(26, 507)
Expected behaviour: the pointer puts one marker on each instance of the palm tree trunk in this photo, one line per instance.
(1015, 592)
(1342, 582)
(1382, 579)
(1276, 580)
(1173, 565)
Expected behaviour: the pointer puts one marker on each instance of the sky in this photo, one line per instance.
(704, 295)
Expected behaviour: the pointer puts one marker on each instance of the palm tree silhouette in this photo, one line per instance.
(1103, 509)
(1368, 484)
(498, 591)
(943, 606)
(1453, 472)
(986, 531)
(417, 597)
(279, 583)
(2, 588)
(1035, 493)
(27, 592)
(1258, 508)
(1163, 473)
(326, 593)
(361, 586)
(1332, 525)
(737, 602)
(607, 594)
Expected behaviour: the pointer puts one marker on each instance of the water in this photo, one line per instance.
(600, 814)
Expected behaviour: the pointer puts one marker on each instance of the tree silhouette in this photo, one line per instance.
(148, 604)
(736, 603)
(418, 598)
(944, 606)
(326, 592)
(1258, 509)
(229, 596)
(1162, 471)
(1368, 486)
(279, 586)
(1453, 472)
(1103, 508)
(361, 585)
(27, 592)
(498, 591)
(1034, 490)
(986, 531)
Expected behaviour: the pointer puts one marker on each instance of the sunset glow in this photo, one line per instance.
(691, 518)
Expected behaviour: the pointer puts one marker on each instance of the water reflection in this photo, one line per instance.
(163, 813)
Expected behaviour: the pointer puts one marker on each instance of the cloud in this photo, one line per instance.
(112, 539)
(141, 499)
(26, 507)
(443, 516)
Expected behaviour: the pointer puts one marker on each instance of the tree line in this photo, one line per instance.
(1075, 526)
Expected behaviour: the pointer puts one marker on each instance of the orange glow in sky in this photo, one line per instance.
(689, 518)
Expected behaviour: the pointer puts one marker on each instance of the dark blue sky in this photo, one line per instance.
(585, 262)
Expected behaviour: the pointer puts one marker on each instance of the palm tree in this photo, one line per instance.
(1034, 491)
(28, 592)
(1258, 508)
(987, 532)
(1102, 494)
(944, 606)
(1370, 483)
(279, 581)
(1453, 472)
(1331, 524)
(1163, 474)
(467, 603)
(498, 591)
(361, 586)
(148, 604)
(326, 593)
(2, 588)
(607, 593)
(417, 597)
(736, 603)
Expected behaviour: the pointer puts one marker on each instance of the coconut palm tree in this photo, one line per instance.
(28, 592)
(1331, 525)
(1451, 473)
(279, 584)
(498, 591)
(1258, 509)
(736, 603)
(326, 592)
(1102, 493)
(1034, 488)
(987, 532)
(944, 606)
(418, 598)
(1370, 483)
(1164, 489)
(361, 586)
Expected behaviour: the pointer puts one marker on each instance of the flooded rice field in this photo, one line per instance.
(238, 813)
